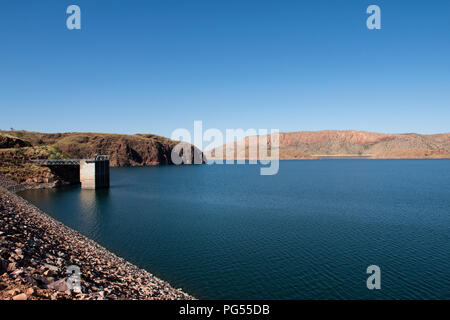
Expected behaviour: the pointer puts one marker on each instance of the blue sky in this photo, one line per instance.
(157, 65)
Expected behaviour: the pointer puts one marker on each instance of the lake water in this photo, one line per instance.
(309, 232)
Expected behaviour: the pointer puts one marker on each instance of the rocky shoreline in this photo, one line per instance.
(36, 250)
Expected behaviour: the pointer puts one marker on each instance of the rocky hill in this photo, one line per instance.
(17, 148)
(345, 143)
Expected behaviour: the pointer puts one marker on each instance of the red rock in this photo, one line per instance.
(21, 296)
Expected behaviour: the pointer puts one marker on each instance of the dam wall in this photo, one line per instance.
(68, 174)
(91, 173)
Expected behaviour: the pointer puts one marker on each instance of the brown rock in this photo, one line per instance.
(51, 267)
(16, 272)
(11, 267)
(59, 285)
(12, 142)
(3, 266)
(21, 296)
(12, 292)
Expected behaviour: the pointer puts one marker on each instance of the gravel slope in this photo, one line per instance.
(35, 251)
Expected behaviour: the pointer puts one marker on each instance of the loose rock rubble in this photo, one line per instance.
(35, 251)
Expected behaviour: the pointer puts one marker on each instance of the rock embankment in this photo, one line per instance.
(36, 250)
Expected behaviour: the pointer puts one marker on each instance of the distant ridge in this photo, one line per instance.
(351, 143)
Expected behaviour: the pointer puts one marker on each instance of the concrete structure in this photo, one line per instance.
(94, 174)
(91, 173)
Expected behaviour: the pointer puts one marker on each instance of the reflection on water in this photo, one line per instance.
(309, 232)
(91, 203)
(86, 208)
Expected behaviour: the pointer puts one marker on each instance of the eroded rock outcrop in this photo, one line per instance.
(7, 141)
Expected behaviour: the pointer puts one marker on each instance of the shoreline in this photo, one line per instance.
(36, 249)
(334, 157)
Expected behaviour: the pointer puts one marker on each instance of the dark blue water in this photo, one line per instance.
(310, 232)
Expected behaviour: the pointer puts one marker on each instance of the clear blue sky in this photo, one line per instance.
(157, 65)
